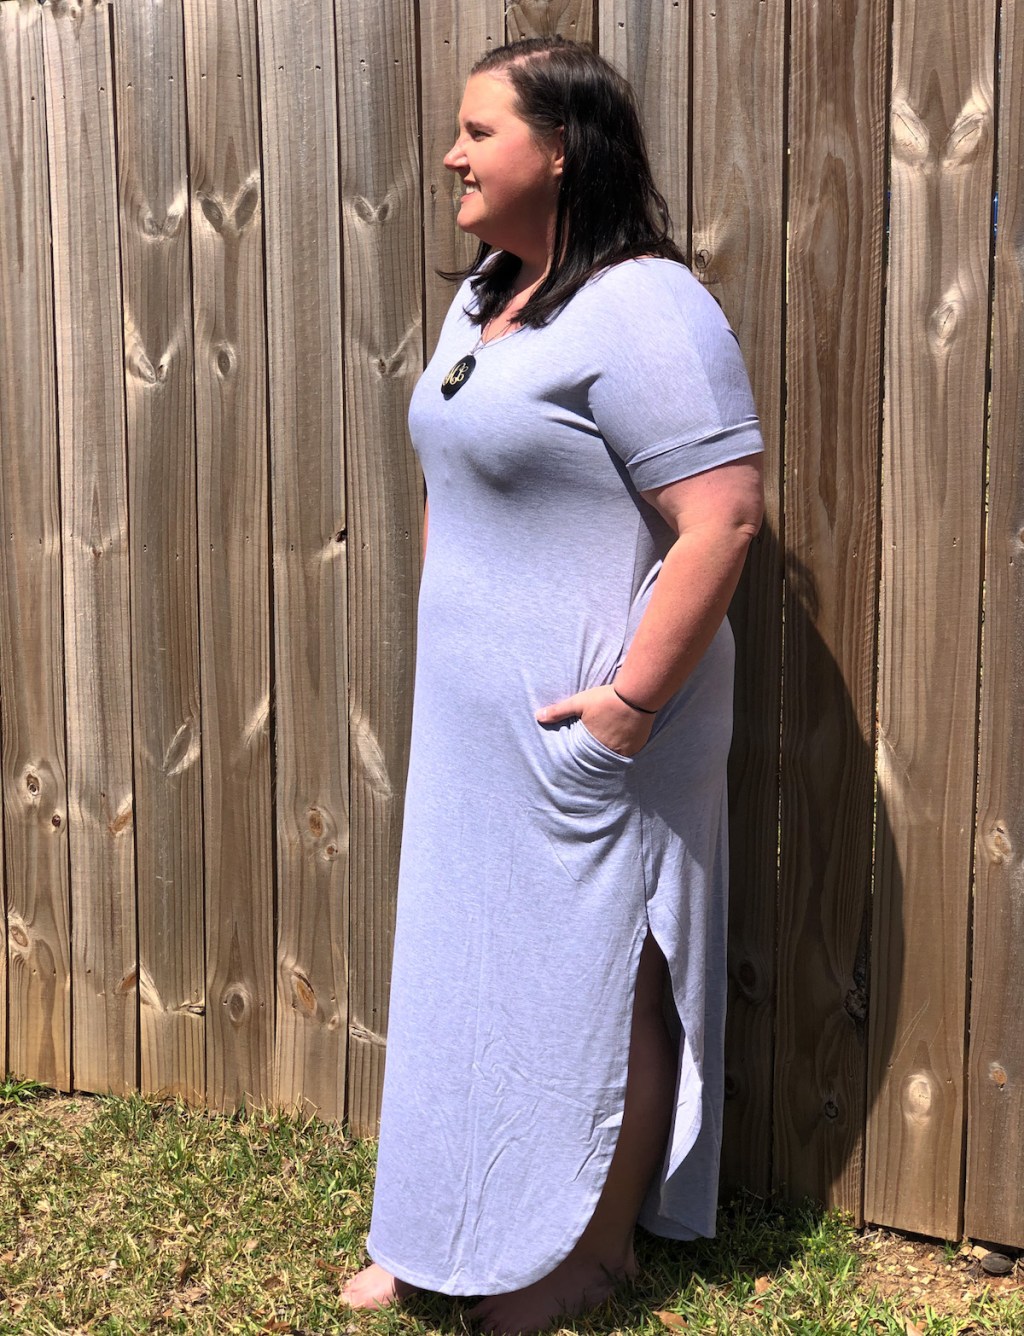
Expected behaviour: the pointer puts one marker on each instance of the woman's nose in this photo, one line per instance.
(455, 156)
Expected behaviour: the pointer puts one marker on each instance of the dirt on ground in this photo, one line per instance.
(920, 1272)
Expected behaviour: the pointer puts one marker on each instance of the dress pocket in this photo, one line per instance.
(583, 742)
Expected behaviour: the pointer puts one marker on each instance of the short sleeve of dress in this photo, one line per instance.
(670, 394)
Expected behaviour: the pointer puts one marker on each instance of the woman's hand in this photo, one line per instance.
(611, 721)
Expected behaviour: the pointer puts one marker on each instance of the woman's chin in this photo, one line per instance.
(465, 220)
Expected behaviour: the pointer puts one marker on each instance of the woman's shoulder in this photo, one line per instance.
(651, 286)
(645, 297)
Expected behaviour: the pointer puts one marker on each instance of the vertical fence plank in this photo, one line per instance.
(995, 1130)
(737, 250)
(382, 242)
(234, 576)
(453, 34)
(87, 298)
(649, 45)
(935, 403)
(35, 851)
(303, 249)
(833, 416)
(162, 506)
(545, 18)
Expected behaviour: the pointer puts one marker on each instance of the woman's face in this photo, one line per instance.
(509, 176)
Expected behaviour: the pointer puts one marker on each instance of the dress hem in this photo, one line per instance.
(558, 1254)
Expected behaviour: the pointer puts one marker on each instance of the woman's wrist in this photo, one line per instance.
(633, 705)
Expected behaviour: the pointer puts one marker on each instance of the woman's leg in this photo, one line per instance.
(603, 1254)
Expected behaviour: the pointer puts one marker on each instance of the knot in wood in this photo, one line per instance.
(32, 784)
(749, 981)
(303, 996)
(150, 227)
(997, 1075)
(368, 213)
(918, 1099)
(855, 1004)
(245, 208)
(236, 1003)
(73, 9)
(212, 212)
(967, 137)
(18, 936)
(316, 823)
(224, 359)
(830, 1109)
(911, 142)
(998, 844)
(142, 368)
(945, 320)
(123, 817)
(183, 750)
(390, 366)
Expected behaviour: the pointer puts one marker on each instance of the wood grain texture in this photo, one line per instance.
(935, 404)
(87, 299)
(649, 46)
(737, 251)
(995, 1126)
(546, 18)
(35, 803)
(382, 240)
(453, 34)
(234, 568)
(153, 188)
(834, 318)
(310, 546)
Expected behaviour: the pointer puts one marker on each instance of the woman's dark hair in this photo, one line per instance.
(609, 208)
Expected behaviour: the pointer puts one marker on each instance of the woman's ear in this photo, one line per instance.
(558, 162)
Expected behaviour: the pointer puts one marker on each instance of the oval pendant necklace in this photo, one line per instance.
(465, 366)
(460, 373)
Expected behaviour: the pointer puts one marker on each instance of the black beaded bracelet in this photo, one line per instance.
(632, 704)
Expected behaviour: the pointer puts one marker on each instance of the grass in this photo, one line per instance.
(131, 1216)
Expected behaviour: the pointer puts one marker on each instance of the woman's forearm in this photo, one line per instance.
(688, 604)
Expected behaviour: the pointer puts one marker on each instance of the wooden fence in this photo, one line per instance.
(219, 223)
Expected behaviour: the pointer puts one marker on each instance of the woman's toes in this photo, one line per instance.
(374, 1287)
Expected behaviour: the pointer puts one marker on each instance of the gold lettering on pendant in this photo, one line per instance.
(457, 377)
(457, 374)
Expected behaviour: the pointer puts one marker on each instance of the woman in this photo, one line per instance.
(591, 456)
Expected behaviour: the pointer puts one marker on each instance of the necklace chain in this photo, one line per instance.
(464, 367)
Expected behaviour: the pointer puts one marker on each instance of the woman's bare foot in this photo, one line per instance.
(576, 1285)
(374, 1287)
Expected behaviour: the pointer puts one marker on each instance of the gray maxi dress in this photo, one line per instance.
(535, 859)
